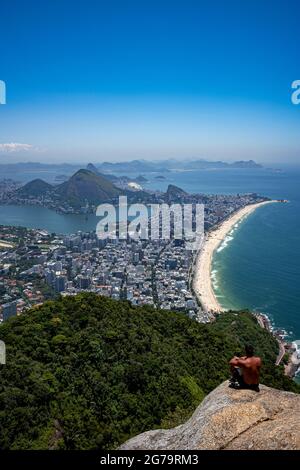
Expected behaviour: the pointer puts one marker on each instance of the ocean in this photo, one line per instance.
(258, 265)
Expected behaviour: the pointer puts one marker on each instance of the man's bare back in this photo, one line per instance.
(245, 370)
(250, 368)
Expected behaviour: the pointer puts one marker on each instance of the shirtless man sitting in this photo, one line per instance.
(245, 370)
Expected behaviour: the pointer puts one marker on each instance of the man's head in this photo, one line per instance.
(249, 350)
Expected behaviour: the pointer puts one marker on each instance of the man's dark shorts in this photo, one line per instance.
(238, 383)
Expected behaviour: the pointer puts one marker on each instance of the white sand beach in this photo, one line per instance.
(202, 277)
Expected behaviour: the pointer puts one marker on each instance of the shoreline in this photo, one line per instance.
(292, 350)
(202, 282)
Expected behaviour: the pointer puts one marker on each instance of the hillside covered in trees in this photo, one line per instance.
(87, 372)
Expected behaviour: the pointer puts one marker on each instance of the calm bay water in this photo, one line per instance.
(258, 266)
(40, 217)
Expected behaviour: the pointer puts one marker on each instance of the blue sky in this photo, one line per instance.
(118, 80)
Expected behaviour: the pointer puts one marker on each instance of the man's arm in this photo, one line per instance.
(241, 361)
(233, 363)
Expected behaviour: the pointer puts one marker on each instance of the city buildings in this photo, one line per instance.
(40, 266)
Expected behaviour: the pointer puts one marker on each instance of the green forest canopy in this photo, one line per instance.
(88, 372)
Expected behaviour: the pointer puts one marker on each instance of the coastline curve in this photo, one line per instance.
(202, 281)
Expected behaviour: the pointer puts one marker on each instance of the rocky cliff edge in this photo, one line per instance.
(232, 419)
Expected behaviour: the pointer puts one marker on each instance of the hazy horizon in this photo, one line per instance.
(83, 164)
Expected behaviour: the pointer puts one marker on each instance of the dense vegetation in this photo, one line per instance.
(87, 372)
(84, 185)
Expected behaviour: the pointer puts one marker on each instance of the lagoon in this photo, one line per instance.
(43, 218)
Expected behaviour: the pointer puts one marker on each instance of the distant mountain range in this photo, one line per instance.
(23, 171)
(97, 183)
(134, 166)
(116, 179)
(144, 166)
(84, 187)
(93, 185)
(88, 187)
(203, 164)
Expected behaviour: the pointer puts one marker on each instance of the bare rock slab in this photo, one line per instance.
(232, 419)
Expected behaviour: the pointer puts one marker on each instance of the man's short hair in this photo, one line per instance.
(249, 350)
